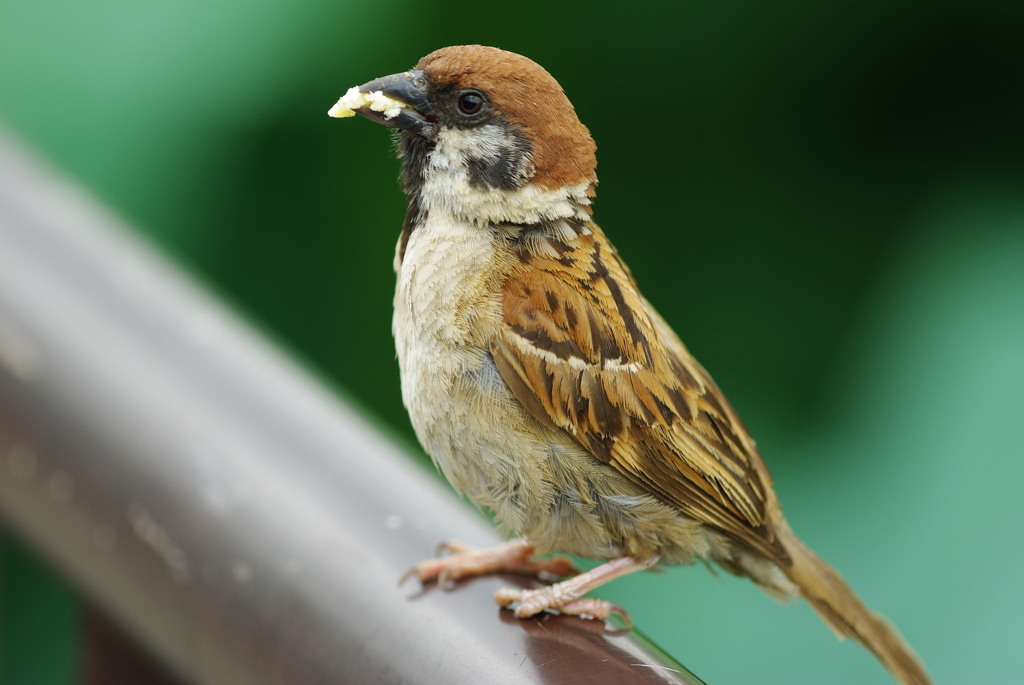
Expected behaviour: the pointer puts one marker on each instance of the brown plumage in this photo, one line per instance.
(634, 397)
(540, 380)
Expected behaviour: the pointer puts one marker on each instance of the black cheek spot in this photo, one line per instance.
(505, 170)
(502, 173)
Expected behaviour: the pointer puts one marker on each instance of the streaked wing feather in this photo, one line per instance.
(584, 352)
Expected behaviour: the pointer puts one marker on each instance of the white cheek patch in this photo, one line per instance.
(447, 182)
(485, 145)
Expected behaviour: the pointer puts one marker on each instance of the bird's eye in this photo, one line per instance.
(471, 102)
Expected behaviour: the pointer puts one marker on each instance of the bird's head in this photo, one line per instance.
(485, 134)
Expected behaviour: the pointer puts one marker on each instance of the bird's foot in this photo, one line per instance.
(463, 560)
(527, 603)
(566, 597)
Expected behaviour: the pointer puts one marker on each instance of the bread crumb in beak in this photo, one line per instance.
(377, 101)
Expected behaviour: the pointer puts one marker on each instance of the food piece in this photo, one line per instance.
(377, 101)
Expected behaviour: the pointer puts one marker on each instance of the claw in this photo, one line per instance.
(406, 576)
(449, 547)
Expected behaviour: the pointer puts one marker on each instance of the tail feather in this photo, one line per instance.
(834, 601)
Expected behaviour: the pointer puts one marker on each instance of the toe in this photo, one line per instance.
(598, 609)
(507, 596)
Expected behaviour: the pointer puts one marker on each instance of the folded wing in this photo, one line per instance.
(584, 352)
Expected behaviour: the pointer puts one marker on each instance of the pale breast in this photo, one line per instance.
(539, 481)
(450, 386)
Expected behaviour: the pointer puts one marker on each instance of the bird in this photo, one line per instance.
(542, 383)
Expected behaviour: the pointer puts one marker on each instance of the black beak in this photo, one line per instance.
(410, 88)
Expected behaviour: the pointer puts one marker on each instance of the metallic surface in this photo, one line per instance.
(234, 517)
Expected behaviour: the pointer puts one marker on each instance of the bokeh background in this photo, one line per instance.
(826, 200)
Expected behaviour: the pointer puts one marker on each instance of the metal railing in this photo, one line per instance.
(239, 521)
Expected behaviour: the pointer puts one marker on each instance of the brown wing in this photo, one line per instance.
(583, 351)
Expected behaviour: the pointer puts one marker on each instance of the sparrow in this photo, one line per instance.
(542, 383)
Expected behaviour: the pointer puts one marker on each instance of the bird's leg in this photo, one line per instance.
(564, 597)
(463, 560)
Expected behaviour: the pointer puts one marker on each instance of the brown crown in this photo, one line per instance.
(563, 151)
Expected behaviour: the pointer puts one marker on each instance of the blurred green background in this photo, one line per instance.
(826, 200)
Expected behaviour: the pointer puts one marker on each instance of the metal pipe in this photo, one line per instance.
(239, 521)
